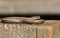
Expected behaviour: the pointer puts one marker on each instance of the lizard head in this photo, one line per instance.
(35, 17)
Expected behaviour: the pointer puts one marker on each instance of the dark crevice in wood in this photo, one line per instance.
(46, 17)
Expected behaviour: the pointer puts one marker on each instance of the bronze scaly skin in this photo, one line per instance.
(33, 19)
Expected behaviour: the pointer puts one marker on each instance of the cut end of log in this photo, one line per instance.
(6, 27)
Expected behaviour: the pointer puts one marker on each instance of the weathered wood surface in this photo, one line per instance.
(50, 30)
(29, 6)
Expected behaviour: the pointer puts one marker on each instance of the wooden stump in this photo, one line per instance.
(50, 30)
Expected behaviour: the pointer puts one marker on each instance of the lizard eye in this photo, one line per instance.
(37, 16)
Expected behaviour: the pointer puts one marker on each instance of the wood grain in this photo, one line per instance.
(29, 6)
